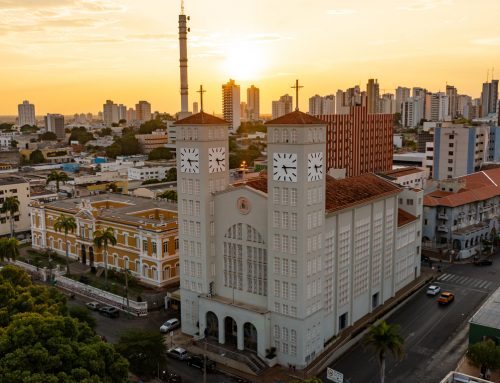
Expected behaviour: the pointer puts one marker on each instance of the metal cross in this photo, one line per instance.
(297, 87)
(201, 91)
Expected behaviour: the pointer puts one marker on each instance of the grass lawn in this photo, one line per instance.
(41, 259)
(116, 284)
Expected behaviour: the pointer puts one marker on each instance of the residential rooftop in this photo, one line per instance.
(10, 180)
(489, 313)
(400, 172)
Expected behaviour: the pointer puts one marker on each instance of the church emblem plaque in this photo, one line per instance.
(243, 205)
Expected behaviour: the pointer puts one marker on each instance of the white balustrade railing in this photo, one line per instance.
(135, 308)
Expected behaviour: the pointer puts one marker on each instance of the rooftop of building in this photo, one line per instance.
(202, 118)
(476, 187)
(488, 314)
(296, 118)
(400, 172)
(404, 218)
(124, 209)
(340, 194)
(11, 180)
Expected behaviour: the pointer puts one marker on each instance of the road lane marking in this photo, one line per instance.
(483, 283)
(444, 277)
(487, 285)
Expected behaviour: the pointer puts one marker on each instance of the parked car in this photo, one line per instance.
(197, 362)
(94, 306)
(168, 376)
(483, 262)
(433, 290)
(170, 325)
(177, 353)
(445, 298)
(109, 311)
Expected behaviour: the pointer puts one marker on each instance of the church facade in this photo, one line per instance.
(289, 259)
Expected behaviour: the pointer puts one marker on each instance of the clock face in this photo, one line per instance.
(216, 160)
(315, 166)
(285, 167)
(190, 160)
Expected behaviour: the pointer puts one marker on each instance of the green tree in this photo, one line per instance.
(113, 150)
(144, 349)
(160, 154)
(29, 129)
(122, 121)
(130, 145)
(102, 239)
(13, 144)
(10, 206)
(66, 225)
(36, 157)
(83, 315)
(150, 126)
(105, 132)
(81, 134)
(6, 126)
(9, 248)
(48, 136)
(171, 175)
(484, 355)
(57, 349)
(170, 195)
(151, 181)
(385, 338)
(57, 177)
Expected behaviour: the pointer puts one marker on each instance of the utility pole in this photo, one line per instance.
(205, 361)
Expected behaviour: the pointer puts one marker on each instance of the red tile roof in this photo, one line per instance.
(341, 194)
(296, 118)
(402, 172)
(202, 118)
(405, 218)
(478, 187)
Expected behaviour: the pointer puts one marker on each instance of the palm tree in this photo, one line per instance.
(11, 206)
(103, 238)
(58, 177)
(384, 338)
(9, 248)
(65, 224)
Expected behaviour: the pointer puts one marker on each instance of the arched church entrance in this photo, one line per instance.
(212, 325)
(231, 331)
(250, 337)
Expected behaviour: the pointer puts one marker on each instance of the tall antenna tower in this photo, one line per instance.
(183, 62)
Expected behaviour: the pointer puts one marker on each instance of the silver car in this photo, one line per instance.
(177, 353)
(433, 290)
(170, 325)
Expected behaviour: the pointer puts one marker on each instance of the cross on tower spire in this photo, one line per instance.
(297, 87)
(182, 7)
(201, 91)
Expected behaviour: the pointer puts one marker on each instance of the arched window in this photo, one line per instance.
(166, 272)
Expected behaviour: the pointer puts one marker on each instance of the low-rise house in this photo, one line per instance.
(412, 176)
(462, 214)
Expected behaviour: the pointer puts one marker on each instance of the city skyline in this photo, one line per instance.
(73, 55)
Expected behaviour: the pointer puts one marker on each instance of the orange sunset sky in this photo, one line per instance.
(68, 56)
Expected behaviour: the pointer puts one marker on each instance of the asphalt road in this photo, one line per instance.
(435, 336)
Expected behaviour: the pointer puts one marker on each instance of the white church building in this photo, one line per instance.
(289, 259)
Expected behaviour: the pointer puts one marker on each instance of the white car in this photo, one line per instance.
(94, 306)
(177, 353)
(170, 325)
(433, 290)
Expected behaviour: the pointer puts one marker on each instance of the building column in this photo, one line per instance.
(241, 342)
(222, 333)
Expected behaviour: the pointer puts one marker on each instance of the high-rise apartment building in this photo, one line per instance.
(359, 142)
(243, 111)
(351, 97)
(387, 104)
(253, 103)
(402, 94)
(55, 123)
(122, 112)
(195, 107)
(465, 106)
(26, 114)
(489, 98)
(143, 111)
(439, 104)
(457, 150)
(130, 114)
(452, 94)
(372, 96)
(322, 105)
(231, 104)
(110, 113)
(283, 106)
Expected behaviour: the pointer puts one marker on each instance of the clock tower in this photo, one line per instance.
(202, 169)
(296, 214)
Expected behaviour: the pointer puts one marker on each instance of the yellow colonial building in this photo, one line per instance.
(145, 229)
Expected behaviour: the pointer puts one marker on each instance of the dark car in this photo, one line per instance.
(109, 311)
(483, 262)
(197, 362)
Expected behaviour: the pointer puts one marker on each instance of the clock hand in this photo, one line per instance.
(285, 169)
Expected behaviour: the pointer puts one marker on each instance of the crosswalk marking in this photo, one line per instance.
(466, 281)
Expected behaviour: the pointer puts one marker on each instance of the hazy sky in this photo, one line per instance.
(70, 56)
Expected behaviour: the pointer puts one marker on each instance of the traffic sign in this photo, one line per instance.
(334, 376)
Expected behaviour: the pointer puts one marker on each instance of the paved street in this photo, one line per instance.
(435, 337)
